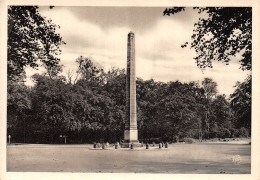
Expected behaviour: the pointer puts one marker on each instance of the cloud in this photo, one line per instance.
(158, 48)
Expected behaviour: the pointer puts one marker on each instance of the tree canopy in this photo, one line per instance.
(220, 33)
(31, 38)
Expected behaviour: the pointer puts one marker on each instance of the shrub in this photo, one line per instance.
(243, 132)
(189, 140)
(176, 139)
(226, 133)
(234, 132)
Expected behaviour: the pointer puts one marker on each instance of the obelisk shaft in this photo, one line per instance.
(131, 133)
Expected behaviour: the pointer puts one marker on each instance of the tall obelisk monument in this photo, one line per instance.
(131, 132)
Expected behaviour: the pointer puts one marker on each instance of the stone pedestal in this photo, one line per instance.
(127, 145)
(131, 135)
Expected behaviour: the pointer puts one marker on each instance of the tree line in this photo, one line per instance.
(93, 108)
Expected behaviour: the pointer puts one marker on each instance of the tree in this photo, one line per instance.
(88, 69)
(222, 116)
(210, 88)
(220, 33)
(72, 76)
(31, 37)
(52, 102)
(115, 86)
(18, 107)
(147, 101)
(241, 103)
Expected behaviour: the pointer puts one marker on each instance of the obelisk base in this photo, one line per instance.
(130, 137)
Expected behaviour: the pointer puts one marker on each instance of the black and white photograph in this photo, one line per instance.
(145, 90)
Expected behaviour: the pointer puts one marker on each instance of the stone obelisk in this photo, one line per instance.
(131, 132)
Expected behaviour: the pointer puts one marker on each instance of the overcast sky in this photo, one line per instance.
(101, 33)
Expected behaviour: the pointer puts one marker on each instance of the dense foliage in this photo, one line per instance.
(31, 38)
(93, 109)
(241, 103)
(220, 33)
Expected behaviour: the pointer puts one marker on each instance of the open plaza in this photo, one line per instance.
(233, 157)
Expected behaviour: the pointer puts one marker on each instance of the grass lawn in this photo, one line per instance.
(206, 158)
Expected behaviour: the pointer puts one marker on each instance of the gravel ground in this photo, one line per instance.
(199, 158)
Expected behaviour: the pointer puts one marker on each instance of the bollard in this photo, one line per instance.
(166, 145)
(103, 146)
(116, 145)
(9, 137)
(160, 145)
(95, 145)
(132, 146)
(147, 146)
